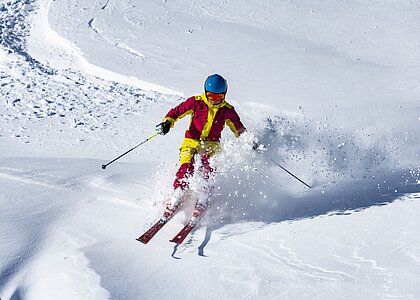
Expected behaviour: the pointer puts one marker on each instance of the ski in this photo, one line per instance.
(180, 237)
(151, 232)
(196, 217)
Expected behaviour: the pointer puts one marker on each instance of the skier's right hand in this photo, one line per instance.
(163, 128)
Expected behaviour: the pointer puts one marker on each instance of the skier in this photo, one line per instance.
(209, 114)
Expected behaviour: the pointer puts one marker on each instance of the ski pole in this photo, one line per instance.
(148, 139)
(290, 173)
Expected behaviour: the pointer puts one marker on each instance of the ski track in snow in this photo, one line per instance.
(38, 96)
(28, 180)
(118, 45)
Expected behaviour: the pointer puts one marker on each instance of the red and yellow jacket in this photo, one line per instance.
(207, 120)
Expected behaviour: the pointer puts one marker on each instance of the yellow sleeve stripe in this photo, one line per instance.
(188, 112)
(232, 127)
(170, 120)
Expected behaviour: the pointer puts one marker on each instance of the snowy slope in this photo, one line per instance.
(334, 98)
(270, 50)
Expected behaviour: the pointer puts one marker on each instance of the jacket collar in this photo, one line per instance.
(222, 103)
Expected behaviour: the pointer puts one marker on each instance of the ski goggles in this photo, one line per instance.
(215, 97)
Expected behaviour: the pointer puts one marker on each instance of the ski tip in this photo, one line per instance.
(142, 241)
(175, 242)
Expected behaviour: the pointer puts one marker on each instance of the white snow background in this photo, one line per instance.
(331, 88)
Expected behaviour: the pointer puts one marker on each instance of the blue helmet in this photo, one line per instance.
(215, 84)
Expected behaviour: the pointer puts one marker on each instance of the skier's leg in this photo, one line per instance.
(204, 195)
(180, 187)
(181, 182)
(184, 173)
(187, 152)
(208, 150)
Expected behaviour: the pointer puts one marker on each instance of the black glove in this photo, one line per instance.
(163, 128)
(255, 146)
(258, 147)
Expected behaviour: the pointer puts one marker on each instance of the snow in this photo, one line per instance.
(69, 53)
(329, 88)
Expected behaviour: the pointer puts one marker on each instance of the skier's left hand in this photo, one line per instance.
(256, 146)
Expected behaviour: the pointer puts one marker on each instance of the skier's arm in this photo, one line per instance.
(180, 111)
(235, 124)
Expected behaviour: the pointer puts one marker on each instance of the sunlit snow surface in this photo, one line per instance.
(330, 89)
